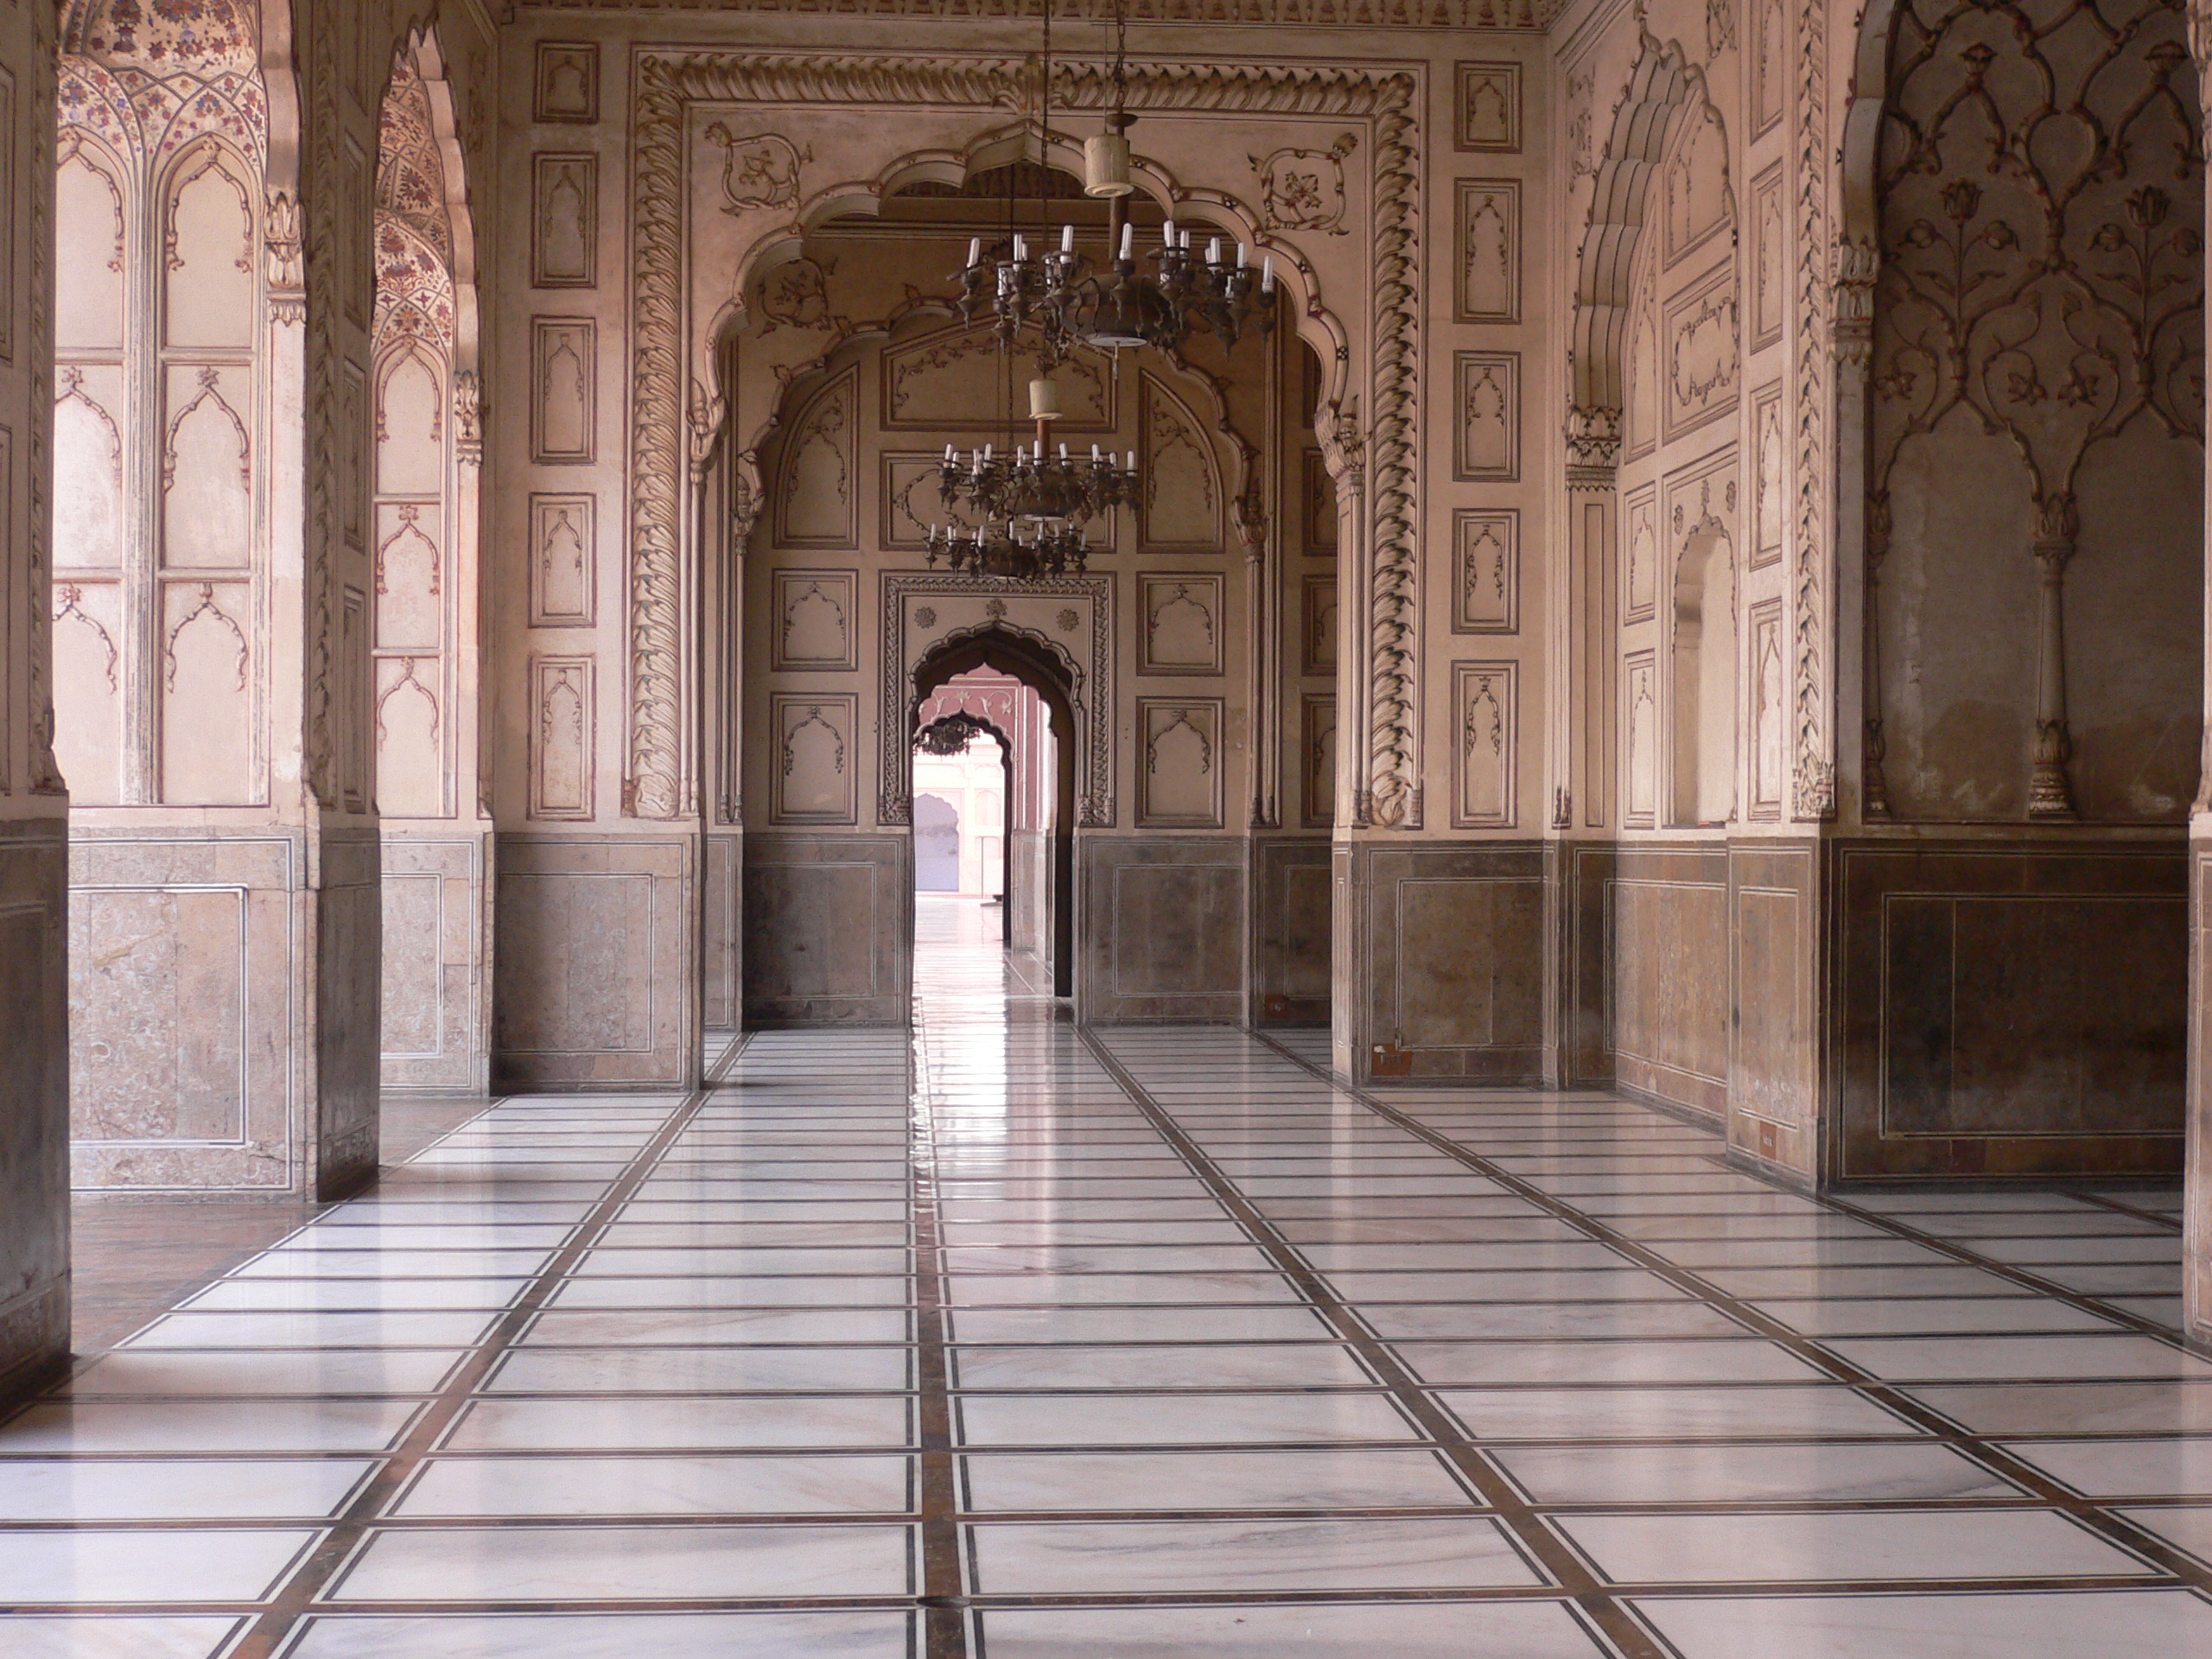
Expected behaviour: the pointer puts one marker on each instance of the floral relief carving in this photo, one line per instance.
(1304, 189)
(211, 392)
(758, 171)
(69, 602)
(406, 680)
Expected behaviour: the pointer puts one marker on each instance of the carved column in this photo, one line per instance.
(1344, 451)
(1862, 513)
(2057, 527)
(1583, 629)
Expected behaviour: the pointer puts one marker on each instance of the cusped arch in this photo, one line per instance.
(1664, 87)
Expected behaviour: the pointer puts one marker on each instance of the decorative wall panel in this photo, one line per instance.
(1769, 280)
(1181, 507)
(1670, 989)
(1488, 237)
(1488, 113)
(953, 382)
(815, 624)
(1182, 623)
(910, 506)
(206, 696)
(1640, 755)
(1770, 713)
(567, 82)
(815, 763)
(1179, 764)
(1162, 933)
(1487, 408)
(1484, 784)
(1317, 650)
(1698, 334)
(817, 504)
(829, 930)
(563, 560)
(1486, 545)
(564, 220)
(1640, 555)
(1316, 500)
(1770, 479)
(564, 379)
(1317, 748)
(564, 715)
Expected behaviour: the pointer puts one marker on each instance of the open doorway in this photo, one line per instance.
(993, 791)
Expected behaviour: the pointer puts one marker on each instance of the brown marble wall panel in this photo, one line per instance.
(829, 934)
(1161, 932)
(720, 949)
(1290, 930)
(35, 1084)
(1670, 973)
(1583, 1036)
(342, 1113)
(1451, 954)
(435, 1038)
(2011, 1008)
(594, 962)
(186, 994)
(2197, 1217)
(1774, 1073)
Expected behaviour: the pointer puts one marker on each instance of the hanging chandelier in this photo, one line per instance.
(1072, 303)
(1035, 507)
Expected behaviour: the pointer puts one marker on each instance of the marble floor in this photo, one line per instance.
(1006, 1339)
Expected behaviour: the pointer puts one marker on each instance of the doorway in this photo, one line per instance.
(995, 752)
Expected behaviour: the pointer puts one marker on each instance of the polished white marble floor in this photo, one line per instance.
(1003, 1339)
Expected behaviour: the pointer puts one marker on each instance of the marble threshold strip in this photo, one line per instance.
(2113, 1528)
(944, 1619)
(1540, 1542)
(294, 1598)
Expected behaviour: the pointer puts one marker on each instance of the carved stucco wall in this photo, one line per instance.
(2038, 427)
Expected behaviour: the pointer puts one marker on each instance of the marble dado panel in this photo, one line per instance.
(1448, 950)
(2011, 1007)
(1290, 930)
(187, 991)
(34, 1083)
(1773, 1071)
(1160, 931)
(1669, 931)
(592, 970)
(721, 922)
(436, 939)
(829, 930)
(1581, 924)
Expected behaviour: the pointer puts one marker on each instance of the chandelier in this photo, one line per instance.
(1073, 302)
(1035, 507)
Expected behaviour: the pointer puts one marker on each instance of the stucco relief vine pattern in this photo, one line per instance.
(657, 785)
(2020, 276)
(1814, 748)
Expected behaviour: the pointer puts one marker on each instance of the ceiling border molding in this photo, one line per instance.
(1493, 14)
(1389, 98)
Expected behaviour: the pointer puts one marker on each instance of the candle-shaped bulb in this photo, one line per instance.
(1213, 252)
(1186, 241)
(1267, 275)
(1128, 241)
(1067, 239)
(1064, 452)
(1168, 232)
(1093, 454)
(974, 251)
(1132, 461)
(1244, 256)
(1021, 247)
(948, 452)
(987, 454)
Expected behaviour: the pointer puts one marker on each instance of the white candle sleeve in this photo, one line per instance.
(1067, 239)
(1128, 238)
(974, 251)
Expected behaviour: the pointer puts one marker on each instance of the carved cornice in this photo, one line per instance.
(1259, 14)
(667, 82)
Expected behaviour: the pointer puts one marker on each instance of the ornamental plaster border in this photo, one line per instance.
(1090, 689)
(1390, 97)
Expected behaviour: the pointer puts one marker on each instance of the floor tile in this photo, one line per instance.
(605, 1636)
(168, 1566)
(1067, 1558)
(813, 1484)
(1839, 1546)
(1439, 1630)
(2102, 1624)
(1347, 1478)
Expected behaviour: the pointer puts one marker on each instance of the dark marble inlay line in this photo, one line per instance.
(2113, 1527)
(945, 1623)
(281, 1614)
(1539, 1541)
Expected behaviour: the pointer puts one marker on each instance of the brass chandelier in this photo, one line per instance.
(1073, 302)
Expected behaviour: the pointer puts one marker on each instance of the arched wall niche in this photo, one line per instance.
(2032, 650)
(690, 388)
